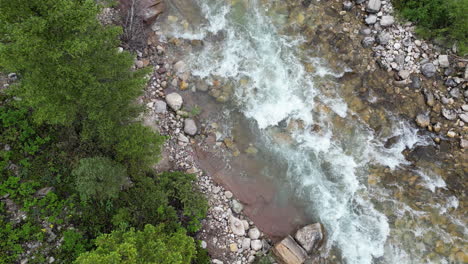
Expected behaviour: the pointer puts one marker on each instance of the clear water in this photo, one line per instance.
(330, 166)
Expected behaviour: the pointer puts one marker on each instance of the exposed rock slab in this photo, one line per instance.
(288, 251)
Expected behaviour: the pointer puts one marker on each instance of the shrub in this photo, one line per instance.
(99, 178)
(444, 19)
(151, 245)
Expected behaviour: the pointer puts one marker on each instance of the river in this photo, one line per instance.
(347, 161)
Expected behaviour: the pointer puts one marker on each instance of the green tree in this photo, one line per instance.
(99, 178)
(72, 73)
(152, 245)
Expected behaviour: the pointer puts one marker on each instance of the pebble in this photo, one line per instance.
(451, 134)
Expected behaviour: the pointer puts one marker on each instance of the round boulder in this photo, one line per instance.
(190, 127)
(175, 101)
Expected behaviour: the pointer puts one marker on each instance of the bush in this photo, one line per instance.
(152, 245)
(441, 19)
(99, 178)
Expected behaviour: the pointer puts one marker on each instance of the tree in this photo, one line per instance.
(72, 74)
(99, 178)
(152, 245)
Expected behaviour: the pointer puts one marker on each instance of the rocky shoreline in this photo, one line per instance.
(413, 61)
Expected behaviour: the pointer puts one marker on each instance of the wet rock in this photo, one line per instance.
(449, 114)
(254, 233)
(392, 141)
(368, 42)
(310, 237)
(288, 251)
(236, 225)
(387, 21)
(190, 127)
(415, 81)
(256, 245)
(179, 67)
(174, 100)
(444, 61)
(428, 70)
(371, 19)
(423, 120)
(160, 107)
(373, 6)
(151, 9)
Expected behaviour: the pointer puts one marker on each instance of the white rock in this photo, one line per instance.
(256, 244)
(179, 67)
(246, 224)
(404, 74)
(387, 21)
(203, 244)
(190, 127)
(228, 194)
(373, 6)
(175, 101)
(160, 107)
(236, 225)
(246, 243)
(237, 206)
(444, 61)
(254, 233)
(371, 19)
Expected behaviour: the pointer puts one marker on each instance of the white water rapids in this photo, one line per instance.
(327, 168)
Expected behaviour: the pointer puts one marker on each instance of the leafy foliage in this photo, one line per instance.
(151, 245)
(445, 19)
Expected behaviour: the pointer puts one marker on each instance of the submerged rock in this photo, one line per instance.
(423, 120)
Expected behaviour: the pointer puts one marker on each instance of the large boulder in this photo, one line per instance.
(287, 251)
(310, 237)
(150, 9)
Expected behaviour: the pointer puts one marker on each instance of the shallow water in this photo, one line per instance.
(327, 149)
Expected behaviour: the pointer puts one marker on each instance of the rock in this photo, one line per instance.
(430, 101)
(366, 31)
(43, 192)
(12, 76)
(347, 5)
(246, 224)
(404, 74)
(203, 244)
(183, 138)
(371, 19)
(465, 107)
(463, 143)
(444, 61)
(150, 9)
(464, 117)
(246, 243)
(160, 107)
(428, 70)
(450, 82)
(465, 76)
(216, 261)
(228, 194)
(216, 189)
(139, 64)
(386, 21)
(175, 101)
(236, 225)
(237, 206)
(455, 93)
(359, 1)
(310, 237)
(415, 81)
(451, 134)
(368, 42)
(287, 251)
(449, 114)
(256, 244)
(254, 233)
(179, 67)
(383, 38)
(423, 120)
(233, 247)
(190, 127)
(373, 6)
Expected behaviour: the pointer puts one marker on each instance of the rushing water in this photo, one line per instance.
(329, 151)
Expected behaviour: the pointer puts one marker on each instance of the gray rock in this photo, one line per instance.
(423, 120)
(430, 101)
(368, 42)
(237, 206)
(449, 114)
(160, 107)
(371, 19)
(236, 225)
(383, 38)
(373, 6)
(347, 5)
(183, 138)
(444, 61)
(256, 244)
(387, 21)
(463, 143)
(415, 81)
(179, 67)
(428, 70)
(175, 101)
(359, 1)
(190, 127)
(366, 31)
(455, 93)
(310, 237)
(203, 244)
(465, 107)
(464, 117)
(228, 194)
(450, 82)
(404, 74)
(254, 233)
